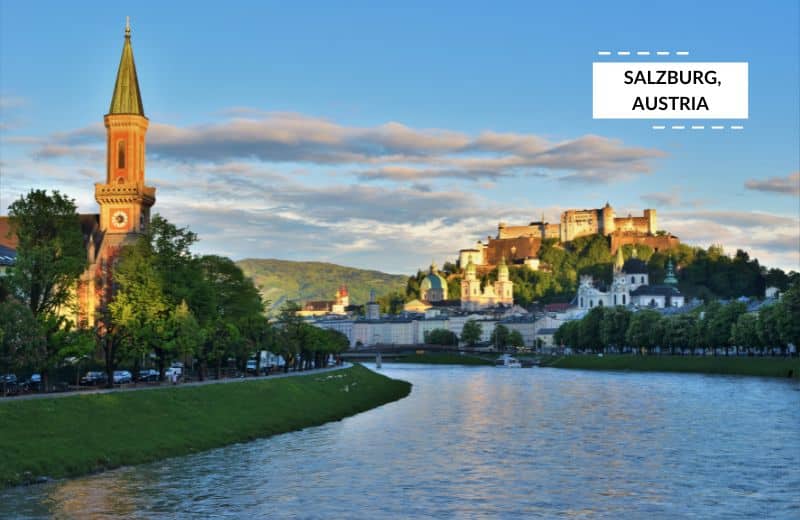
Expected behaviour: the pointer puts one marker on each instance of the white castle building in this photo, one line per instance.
(631, 287)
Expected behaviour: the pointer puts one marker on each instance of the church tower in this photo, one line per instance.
(124, 199)
(503, 287)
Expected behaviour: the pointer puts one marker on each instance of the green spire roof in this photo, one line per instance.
(127, 99)
(670, 279)
(620, 260)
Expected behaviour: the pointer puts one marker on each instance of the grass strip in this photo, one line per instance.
(83, 434)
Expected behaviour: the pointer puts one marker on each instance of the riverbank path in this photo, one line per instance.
(143, 387)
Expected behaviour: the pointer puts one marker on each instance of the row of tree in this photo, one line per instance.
(712, 326)
(168, 303)
(502, 337)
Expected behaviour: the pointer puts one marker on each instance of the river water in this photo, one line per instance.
(484, 442)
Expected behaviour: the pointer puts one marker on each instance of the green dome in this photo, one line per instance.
(433, 281)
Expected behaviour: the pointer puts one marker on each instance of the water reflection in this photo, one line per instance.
(486, 443)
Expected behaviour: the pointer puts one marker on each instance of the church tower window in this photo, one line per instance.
(121, 154)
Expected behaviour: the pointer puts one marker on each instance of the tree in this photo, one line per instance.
(441, 337)
(391, 303)
(614, 326)
(50, 258)
(789, 315)
(589, 333)
(745, 332)
(22, 340)
(471, 333)
(499, 337)
(515, 339)
(639, 330)
(50, 252)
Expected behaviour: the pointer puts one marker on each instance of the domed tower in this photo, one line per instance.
(470, 288)
(434, 286)
(503, 287)
(670, 278)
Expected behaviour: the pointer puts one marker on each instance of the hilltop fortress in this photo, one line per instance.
(520, 244)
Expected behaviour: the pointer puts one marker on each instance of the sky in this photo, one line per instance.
(385, 135)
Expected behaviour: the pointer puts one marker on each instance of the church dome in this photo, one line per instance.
(433, 281)
(634, 266)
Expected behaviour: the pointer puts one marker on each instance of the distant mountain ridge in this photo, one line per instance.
(282, 280)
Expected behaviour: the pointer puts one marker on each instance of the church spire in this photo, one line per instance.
(126, 98)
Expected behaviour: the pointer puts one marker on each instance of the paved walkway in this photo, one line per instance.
(168, 385)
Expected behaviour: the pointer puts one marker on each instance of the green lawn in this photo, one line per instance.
(441, 359)
(752, 366)
(81, 434)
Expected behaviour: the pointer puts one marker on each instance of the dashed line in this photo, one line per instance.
(697, 127)
(643, 53)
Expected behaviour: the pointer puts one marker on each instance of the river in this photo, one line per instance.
(484, 442)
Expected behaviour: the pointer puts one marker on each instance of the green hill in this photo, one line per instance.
(281, 280)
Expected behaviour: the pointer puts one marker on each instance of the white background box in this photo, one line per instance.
(613, 99)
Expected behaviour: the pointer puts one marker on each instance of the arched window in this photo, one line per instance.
(642, 280)
(633, 279)
(121, 154)
(615, 299)
(591, 303)
(581, 301)
(623, 299)
(599, 303)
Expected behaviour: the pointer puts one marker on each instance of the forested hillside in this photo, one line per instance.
(281, 280)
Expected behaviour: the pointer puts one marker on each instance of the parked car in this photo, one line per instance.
(122, 376)
(94, 378)
(148, 375)
(10, 383)
(35, 382)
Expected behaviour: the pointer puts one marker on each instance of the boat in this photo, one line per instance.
(508, 361)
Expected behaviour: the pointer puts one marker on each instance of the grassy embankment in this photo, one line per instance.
(82, 434)
(443, 358)
(734, 365)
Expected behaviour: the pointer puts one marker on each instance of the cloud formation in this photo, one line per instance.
(391, 151)
(789, 185)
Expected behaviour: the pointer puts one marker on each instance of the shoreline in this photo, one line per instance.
(81, 434)
(777, 367)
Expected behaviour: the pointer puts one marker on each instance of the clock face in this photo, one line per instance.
(119, 219)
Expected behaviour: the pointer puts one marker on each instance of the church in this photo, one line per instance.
(501, 292)
(631, 287)
(124, 198)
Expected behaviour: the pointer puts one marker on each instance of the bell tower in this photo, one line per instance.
(124, 199)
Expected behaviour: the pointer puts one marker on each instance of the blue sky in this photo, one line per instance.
(381, 136)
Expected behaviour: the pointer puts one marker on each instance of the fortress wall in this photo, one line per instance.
(632, 225)
(517, 231)
(524, 247)
(658, 243)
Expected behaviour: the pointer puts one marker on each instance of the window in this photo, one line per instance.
(615, 299)
(642, 279)
(581, 301)
(623, 299)
(633, 279)
(599, 303)
(591, 303)
(121, 154)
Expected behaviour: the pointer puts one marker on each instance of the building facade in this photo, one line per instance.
(473, 297)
